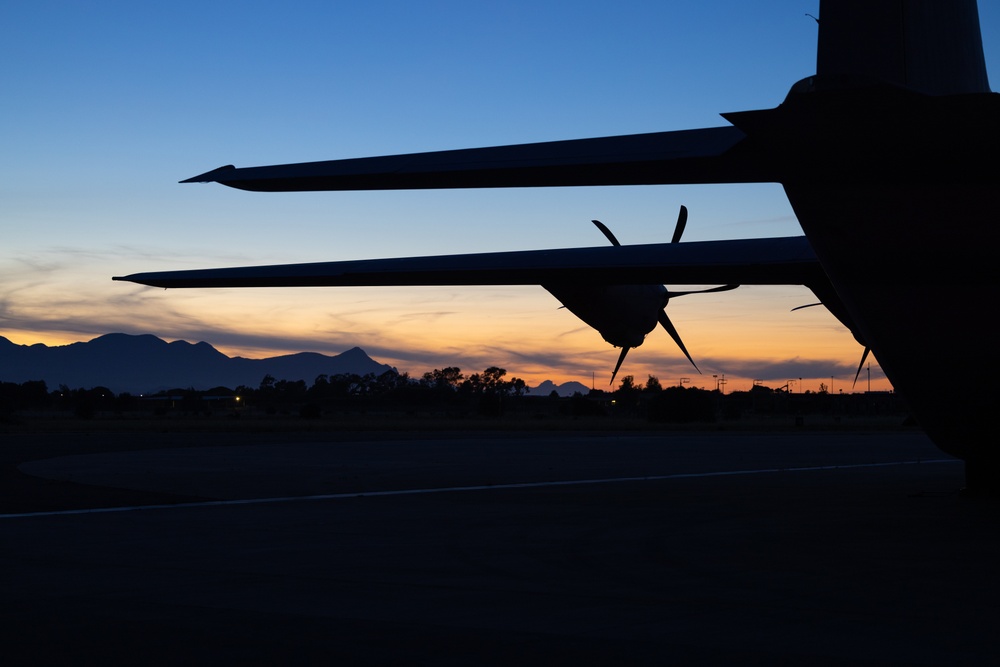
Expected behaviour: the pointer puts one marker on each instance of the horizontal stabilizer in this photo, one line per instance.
(686, 156)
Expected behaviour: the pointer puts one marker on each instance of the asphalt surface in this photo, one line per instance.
(459, 549)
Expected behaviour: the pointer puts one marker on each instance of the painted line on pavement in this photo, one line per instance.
(454, 489)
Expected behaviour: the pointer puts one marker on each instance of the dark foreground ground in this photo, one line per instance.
(791, 548)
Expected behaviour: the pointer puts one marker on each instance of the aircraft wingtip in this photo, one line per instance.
(209, 176)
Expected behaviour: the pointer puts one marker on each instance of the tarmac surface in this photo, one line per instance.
(494, 548)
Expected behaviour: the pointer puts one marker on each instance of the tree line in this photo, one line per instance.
(488, 390)
(443, 392)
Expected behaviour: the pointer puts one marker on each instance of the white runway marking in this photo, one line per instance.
(454, 489)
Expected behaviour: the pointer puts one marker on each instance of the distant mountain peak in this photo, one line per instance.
(142, 363)
(564, 389)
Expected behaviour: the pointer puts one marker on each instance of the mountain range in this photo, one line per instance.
(564, 389)
(146, 364)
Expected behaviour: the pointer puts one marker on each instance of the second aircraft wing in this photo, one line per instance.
(767, 261)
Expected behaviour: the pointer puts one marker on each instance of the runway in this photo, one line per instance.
(494, 548)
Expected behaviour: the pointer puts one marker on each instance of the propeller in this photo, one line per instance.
(607, 232)
(669, 326)
(662, 317)
(665, 322)
(808, 305)
(682, 219)
(864, 355)
(621, 358)
(672, 330)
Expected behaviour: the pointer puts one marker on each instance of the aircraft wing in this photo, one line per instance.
(766, 261)
(709, 155)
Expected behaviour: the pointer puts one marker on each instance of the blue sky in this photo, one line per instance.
(108, 104)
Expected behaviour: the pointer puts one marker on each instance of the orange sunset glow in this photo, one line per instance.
(744, 336)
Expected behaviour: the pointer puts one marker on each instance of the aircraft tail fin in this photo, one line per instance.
(928, 46)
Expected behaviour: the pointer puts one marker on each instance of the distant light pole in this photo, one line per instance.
(683, 381)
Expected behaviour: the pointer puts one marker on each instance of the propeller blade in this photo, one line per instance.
(808, 305)
(607, 232)
(723, 288)
(668, 325)
(682, 219)
(864, 355)
(621, 358)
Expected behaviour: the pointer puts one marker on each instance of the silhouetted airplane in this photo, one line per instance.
(887, 156)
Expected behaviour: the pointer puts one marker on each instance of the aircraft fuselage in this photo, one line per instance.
(919, 301)
(897, 194)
